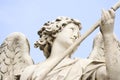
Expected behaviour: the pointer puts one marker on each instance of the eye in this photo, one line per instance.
(72, 28)
(64, 24)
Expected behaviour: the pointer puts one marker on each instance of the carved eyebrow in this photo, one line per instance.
(71, 28)
(64, 24)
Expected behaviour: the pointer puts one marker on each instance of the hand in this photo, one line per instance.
(107, 22)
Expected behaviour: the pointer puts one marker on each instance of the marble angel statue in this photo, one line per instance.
(55, 38)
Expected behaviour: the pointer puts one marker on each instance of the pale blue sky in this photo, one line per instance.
(27, 16)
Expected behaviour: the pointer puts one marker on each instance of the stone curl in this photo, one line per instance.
(49, 32)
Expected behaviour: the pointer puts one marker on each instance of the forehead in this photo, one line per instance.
(72, 25)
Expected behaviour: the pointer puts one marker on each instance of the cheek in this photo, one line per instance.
(65, 35)
(65, 40)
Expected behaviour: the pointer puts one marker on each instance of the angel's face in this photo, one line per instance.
(68, 35)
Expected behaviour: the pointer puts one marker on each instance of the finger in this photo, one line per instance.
(112, 13)
(107, 15)
(103, 12)
(102, 16)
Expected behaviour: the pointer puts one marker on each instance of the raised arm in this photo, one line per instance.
(111, 45)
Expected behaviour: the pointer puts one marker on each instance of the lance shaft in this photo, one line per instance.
(72, 47)
(88, 32)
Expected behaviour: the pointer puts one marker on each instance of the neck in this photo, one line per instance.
(57, 50)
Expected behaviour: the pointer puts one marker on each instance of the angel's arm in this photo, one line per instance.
(112, 49)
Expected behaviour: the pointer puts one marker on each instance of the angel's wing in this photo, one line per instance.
(14, 56)
(97, 52)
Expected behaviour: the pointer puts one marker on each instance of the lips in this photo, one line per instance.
(73, 39)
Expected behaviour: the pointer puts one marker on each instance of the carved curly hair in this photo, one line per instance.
(49, 32)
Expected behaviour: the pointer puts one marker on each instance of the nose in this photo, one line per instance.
(75, 35)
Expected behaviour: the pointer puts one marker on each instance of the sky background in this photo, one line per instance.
(27, 16)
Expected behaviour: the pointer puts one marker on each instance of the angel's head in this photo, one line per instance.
(65, 29)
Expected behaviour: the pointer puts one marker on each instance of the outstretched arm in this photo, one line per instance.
(111, 48)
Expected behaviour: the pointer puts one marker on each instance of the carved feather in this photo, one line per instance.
(14, 56)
